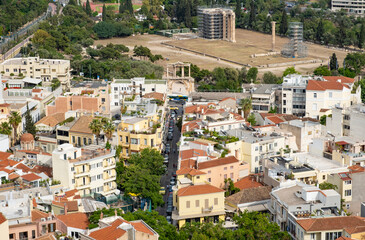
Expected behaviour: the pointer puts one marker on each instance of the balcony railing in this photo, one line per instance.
(207, 209)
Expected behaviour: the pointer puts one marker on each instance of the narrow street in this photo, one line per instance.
(173, 157)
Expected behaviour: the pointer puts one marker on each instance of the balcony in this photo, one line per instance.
(207, 209)
(125, 144)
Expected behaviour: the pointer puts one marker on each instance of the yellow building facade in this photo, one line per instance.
(136, 134)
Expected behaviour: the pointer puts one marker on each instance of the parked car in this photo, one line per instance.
(169, 210)
(168, 148)
(171, 129)
(169, 136)
(169, 220)
(172, 181)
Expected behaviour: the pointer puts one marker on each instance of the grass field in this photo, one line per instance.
(247, 43)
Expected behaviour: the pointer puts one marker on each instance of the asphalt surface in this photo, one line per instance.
(173, 156)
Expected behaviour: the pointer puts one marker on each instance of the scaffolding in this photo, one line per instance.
(295, 48)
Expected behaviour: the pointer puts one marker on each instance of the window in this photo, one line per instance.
(225, 169)
(284, 95)
(324, 177)
(187, 204)
(348, 193)
(134, 141)
(197, 203)
(115, 88)
(284, 102)
(99, 176)
(314, 107)
(348, 182)
(103, 100)
(145, 141)
(73, 181)
(197, 177)
(116, 104)
(65, 156)
(209, 180)
(73, 139)
(72, 169)
(231, 167)
(11, 236)
(333, 235)
(225, 176)
(215, 201)
(256, 158)
(209, 172)
(256, 148)
(284, 110)
(330, 94)
(231, 176)
(314, 95)
(346, 127)
(33, 233)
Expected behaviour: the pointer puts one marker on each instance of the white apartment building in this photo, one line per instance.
(89, 170)
(304, 132)
(347, 121)
(263, 97)
(34, 67)
(329, 94)
(254, 147)
(351, 6)
(291, 96)
(127, 88)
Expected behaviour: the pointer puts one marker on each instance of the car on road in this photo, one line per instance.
(166, 161)
(169, 220)
(174, 108)
(172, 181)
(169, 136)
(168, 148)
(169, 210)
(174, 174)
(162, 191)
(171, 129)
(170, 189)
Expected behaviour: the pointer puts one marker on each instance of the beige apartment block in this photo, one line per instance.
(34, 67)
(89, 170)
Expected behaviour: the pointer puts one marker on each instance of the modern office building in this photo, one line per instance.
(357, 7)
(217, 23)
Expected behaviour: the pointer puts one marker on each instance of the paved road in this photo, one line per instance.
(173, 159)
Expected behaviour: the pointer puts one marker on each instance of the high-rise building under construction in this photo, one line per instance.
(217, 23)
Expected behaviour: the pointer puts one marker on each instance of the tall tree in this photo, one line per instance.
(238, 12)
(15, 119)
(129, 6)
(29, 123)
(188, 21)
(104, 13)
(252, 18)
(88, 8)
(96, 127)
(108, 128)
(284, 23)
(333, 62)
(361, 36)
(246, 105)
(320, 31)
(5, 128)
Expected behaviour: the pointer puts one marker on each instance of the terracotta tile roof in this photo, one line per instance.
(247, 182)
(42, 169)
(52, 120)
(76, 197)
(217, 162)
(212, 111)
(31, 177)
(82, 125)
(8, 171)
(324, 110)
(5, 155)
(37, 215)
(71, 193)
(109, 233)
(2, 218)
(36, 90)
(250, 195)
(155, 95)
(34, 202)
(190, 163)
(35, 152)
(75, 220)
(72, 206)
(198, 190)
(200, 143)
(113, 232)
(190, 171)
(344, 238)
(22, 167)
(192, 125)
(352, 223)
(341, 78)
(224, 99)
(185, 154)
(275, 119)
(314, 85)
(4, 105)
(356, 168)
(13, 176)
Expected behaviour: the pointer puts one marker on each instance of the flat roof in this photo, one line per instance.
(319, 163)
(252, 136)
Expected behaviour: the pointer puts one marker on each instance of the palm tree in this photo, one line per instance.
(108, 129)
(95, 127)
(5, 128)
(15, 119)
(246, 105)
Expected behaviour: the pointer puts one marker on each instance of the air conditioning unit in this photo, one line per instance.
(49, 218)
(43, 219)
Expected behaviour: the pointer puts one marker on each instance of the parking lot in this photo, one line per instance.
(172, 137)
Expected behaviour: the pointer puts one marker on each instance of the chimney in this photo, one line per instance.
(273, 36)
(101, 215)
(65, 207)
